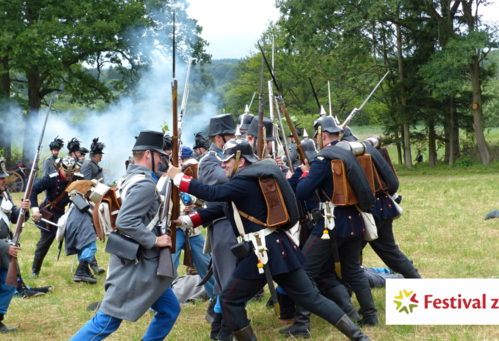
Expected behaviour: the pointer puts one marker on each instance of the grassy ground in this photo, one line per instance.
(442, 229)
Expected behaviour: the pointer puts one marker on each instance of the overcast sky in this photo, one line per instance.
(232, 27)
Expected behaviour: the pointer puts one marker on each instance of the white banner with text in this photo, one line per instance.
(442, 301)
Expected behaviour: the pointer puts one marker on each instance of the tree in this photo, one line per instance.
(48, 43)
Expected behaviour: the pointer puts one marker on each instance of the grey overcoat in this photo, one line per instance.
(91, 170)
(220, 235)
(132, 288)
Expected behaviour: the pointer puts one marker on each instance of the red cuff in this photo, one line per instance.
(304, 175)
(196, 219)
(184, 184)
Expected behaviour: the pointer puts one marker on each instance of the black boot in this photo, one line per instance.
(3, 327)
(339, 295)
(216, 325)
(225, 333)
(95, 267)
(367, 307)
(301, 326)
(245, 334)
(288, 309)
(350, 329)
(210, 312)
(93, 306)
(81, 274)
(37, 265)
(412, 274)
(43, 289)
(23, 290)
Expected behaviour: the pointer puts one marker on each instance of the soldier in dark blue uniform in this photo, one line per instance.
(9, 213)
(284, 258)
(348, 225)
(384, 213)
(56, 200)
(219, 233)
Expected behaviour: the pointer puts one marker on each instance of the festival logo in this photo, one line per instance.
(406, 301)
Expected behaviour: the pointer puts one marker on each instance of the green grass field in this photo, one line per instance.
(443, 230)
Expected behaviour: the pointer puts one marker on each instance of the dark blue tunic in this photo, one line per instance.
(284, 256)
(54, 185)
(348, 222)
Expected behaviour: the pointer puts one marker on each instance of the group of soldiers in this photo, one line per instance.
(290, 229)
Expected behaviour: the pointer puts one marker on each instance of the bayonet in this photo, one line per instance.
(354, 111)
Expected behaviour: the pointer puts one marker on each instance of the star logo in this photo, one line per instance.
(405, 301)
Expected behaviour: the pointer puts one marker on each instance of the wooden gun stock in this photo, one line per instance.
(165, 264)
(187, 250)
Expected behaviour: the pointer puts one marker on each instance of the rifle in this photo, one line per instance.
(315, 94)
(252, 98)
(284, 110)
(283, 133)
(165, 264)
(354, 111)
(11, 279)
(261, 147)
(183, 105)
(175, 147)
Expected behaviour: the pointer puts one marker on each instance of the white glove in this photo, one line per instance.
(178, 179)
(186, 221)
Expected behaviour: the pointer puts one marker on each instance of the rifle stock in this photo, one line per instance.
(165, 264)
(187, 250)
(11, 279)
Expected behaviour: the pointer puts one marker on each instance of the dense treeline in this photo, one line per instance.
(434, 52)
(442, 81)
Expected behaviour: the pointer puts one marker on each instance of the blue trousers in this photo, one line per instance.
(88, 252)
(102, 325)
(6, 292)
(200, 260)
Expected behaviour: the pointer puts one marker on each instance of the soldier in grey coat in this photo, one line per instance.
(90, 171)
(50, 165)
(220, 235)
(8, 214)
(90, 168)
(132, 287)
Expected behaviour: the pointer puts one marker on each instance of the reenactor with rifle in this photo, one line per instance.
(265, 250)
(219, 233)
(51, 164)
(338, 234)
(133, 286)
(385, 211)
(52, 208)
(9, 213)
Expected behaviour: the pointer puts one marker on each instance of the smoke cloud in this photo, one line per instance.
(147, 109)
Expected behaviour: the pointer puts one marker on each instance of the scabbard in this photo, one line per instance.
(60, 249)
(208, 275)
(336, 255)
(273, 292)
